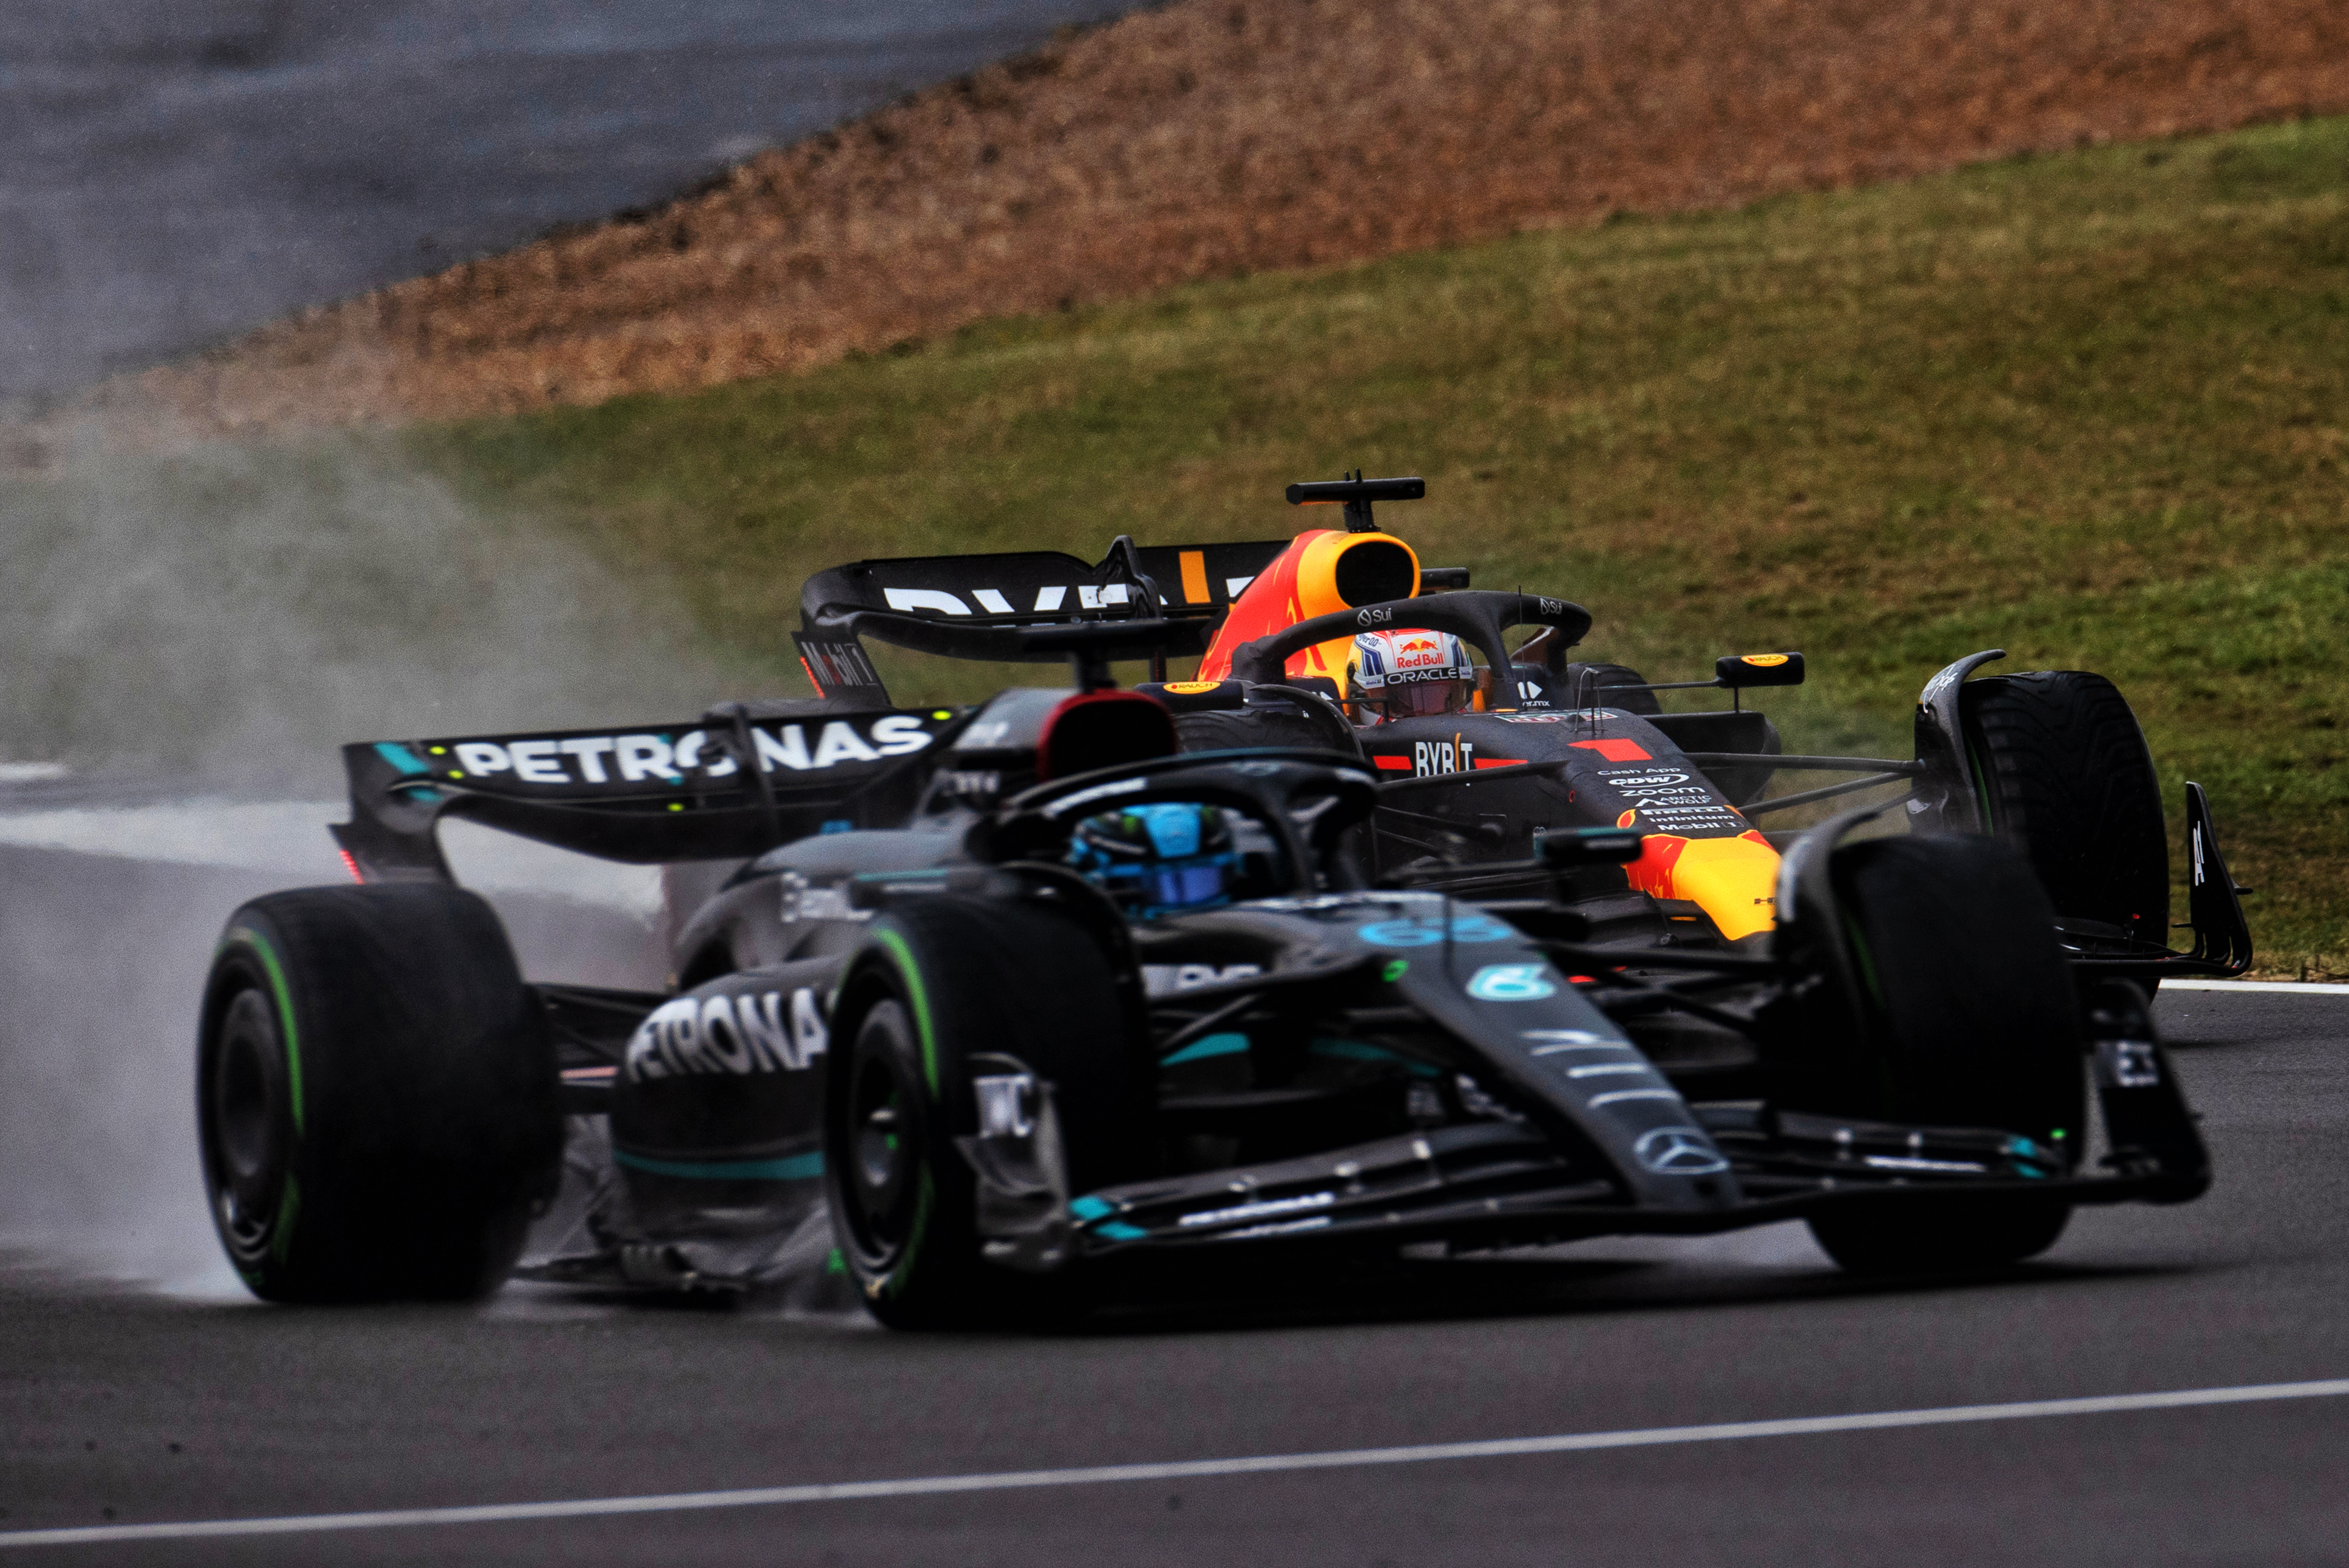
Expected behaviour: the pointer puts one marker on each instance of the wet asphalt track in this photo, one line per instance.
(156, 1406)
(180, 169)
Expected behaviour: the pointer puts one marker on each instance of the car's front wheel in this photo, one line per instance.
(2061, 771)
(1960, 1013)
(939, 982)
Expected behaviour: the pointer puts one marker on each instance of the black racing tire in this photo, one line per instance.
(375, 1095)
(1939, 1235)
(2061, 772)
(938, 980)
(1965, 1016)
(1231, 729)
(1568, 690)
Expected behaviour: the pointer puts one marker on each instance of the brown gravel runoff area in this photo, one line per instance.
(1215, 137)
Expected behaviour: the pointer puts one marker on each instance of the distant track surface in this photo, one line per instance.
(1211, 138)
(179, 169)
(122, 1406)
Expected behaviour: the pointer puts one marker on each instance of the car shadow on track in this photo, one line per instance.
(1458, 1288)
(1240, 1300)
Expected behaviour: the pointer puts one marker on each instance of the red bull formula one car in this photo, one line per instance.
(995, 1001)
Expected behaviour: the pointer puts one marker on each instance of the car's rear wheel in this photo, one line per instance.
(1593, 684)
(375, 1095)
(1962, 1014)
(939, 981)
(2061, 771)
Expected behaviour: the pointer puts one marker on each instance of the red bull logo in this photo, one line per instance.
(1416, 651)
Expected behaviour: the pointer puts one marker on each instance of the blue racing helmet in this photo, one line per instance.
(1155, 859)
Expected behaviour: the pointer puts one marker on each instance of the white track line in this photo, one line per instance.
(1180, 1469)
(2312, 987)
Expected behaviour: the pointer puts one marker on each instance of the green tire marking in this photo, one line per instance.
(289, 1210)
(285, 1012)
(923, 1202)
(1864, 959)
(920, 997)
(927, 1196)
(1981, 787)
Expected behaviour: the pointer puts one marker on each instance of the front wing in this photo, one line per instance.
(1504, 1183)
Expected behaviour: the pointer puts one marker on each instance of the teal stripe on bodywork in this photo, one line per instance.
(1212, 1045)
(1091, 1208)
(400, 757)
(1356, 1051)
(798, 1167)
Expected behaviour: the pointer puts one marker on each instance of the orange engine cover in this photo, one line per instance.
(1322, 571)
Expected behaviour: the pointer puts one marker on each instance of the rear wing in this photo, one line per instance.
(729, 785)
(991, 606)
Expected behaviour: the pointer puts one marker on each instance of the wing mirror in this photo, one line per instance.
(1739, 671)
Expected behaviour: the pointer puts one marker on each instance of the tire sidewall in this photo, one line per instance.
(248, 962)
(1965, 1015)
(2061, 770)
(973, 976)
(420, 1121)
(899, 1281)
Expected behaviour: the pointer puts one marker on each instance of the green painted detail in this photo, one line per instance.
(918, 994)
(1212, 1045)
(1119, 1230)
(798, 1167)
(1089, 1209)
(285, 996)
(833, 1263)
(1395, 969)
(281, 1229)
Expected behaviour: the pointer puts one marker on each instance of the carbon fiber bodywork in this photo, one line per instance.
(1428, 1011)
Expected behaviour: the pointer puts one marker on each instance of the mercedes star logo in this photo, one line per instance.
(1678, 1151)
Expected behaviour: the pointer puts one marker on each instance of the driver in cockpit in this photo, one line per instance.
(1408, 674)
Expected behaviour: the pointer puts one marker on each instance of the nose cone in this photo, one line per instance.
(1734, 880)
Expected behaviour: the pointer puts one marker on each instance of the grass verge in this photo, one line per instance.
(2090, 408)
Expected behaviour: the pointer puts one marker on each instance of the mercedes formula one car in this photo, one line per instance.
(995, 1001)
